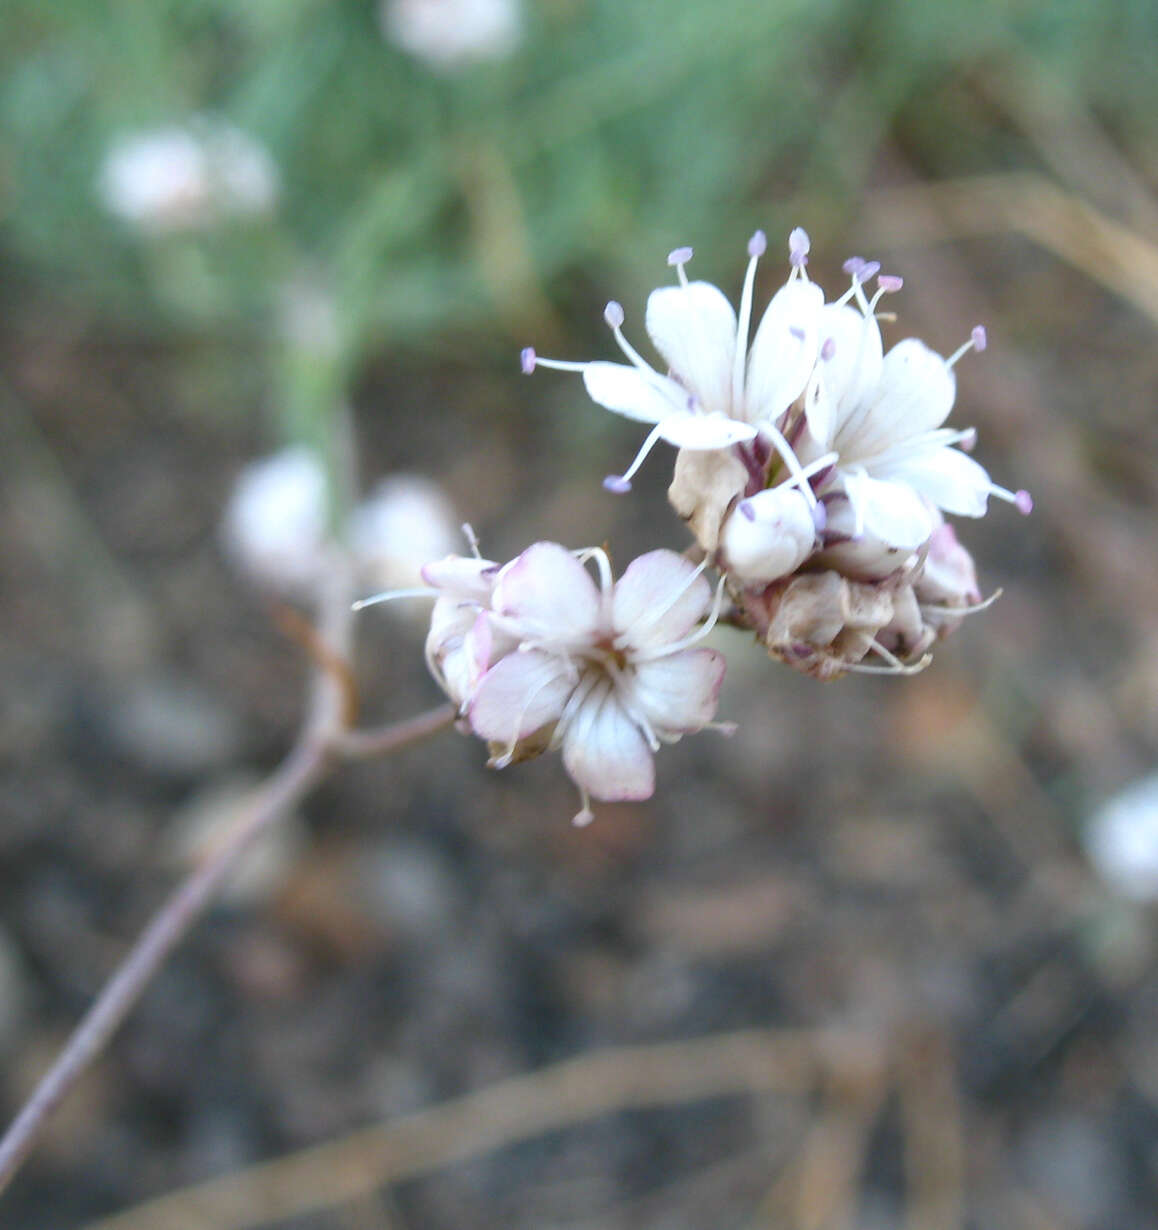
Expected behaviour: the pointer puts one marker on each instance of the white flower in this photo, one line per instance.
(768, 535)
(605, 672)
(883, 416)
(718, 392)
(449, 34)
(188, 176)
(406, 522)
(275, 522)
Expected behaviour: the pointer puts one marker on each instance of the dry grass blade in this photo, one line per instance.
(750, 1061)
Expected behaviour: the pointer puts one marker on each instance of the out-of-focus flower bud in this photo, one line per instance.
(275, 522)
(404, 524)
(451, 34)
(188, 176)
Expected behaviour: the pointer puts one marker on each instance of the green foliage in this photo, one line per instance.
(425, 202)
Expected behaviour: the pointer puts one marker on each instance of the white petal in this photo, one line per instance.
(700, 431)
(784, 350)
(851, 374)
(462, 576)
(948, 478)
(656, 602)
(892, 512)
(519, 694)
(605, 753)
(630, 392)
(550, 593)
(694, 328)
(915, 395)
(679, 693)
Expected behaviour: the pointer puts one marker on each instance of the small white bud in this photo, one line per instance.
(768, 535)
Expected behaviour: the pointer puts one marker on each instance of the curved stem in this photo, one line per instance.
(310, 761)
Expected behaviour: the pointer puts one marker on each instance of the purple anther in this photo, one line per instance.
(679, 256)
(1023, 502)
(527, 360)
(757, 245)
(869, 269)
(980, 338)
(797, 332)
(745, 506)
(828, 349)
(968, 441)
(798, 247)
(853, 266)
(616, 484)
(890, 283)
(819, 517)
(613, 314)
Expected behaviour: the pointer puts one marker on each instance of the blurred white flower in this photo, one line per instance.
(1122, 841)
(275, 525)
(404, 524)
(606, 672)
(184, 177)
(450, 34)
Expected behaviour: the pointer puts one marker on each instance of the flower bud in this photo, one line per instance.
(767, 536)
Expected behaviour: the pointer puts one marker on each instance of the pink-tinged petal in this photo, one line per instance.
(704, 431)
(852, 370)
(892, 512)
(632, 393)
(694, 328)
(784, 350)
(658, 600)
(678, 694)
(915, 395)
(605, 753)
(945, 477)
(550, 593)
(519, 694)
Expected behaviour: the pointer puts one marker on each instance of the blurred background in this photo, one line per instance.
(229, 229)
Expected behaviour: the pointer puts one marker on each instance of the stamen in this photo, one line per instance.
(620, 484)
(895, 665)
(889, 283)
(746, 510)
(471, 539)
(797, 332)
(968, 439)
(799, 246)
(613, 314)
(560, 365)
(1021, 500)
(978, 340)
(727, 729)
(799, 474)
(867, 271)
(527, 360)
(389, 595)
(679, 257)
(854, 265)
(583, 817)
(972, 609)
(756, 248)
(665, 651)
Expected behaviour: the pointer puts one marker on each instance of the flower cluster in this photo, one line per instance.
(814, 470)
(813, 467)
(538, 656)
